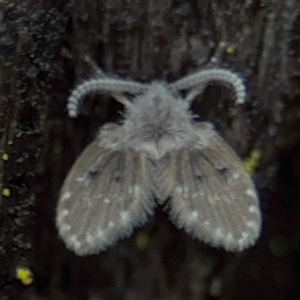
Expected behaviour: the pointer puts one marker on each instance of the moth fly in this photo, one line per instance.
(158, 152)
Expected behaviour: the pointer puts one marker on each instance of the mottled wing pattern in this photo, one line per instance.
(214, 198)
(106, 194)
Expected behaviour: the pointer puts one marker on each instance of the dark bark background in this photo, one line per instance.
(42, 45)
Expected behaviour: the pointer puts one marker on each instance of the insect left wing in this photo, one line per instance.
(106, 194)
(214, 198)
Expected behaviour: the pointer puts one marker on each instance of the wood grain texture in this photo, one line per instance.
(42, 44)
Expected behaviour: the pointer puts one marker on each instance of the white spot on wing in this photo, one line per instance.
(80, 179)
(251, 193)
(136, 189)
(218, 233)
(65, 212)
(74, 242)
(125, 216)
(111, 224)
(244, 237)
(73, 238)
(178, 190)
(62, 214)
(66, 195)
(229, 238)
(252, 224)
(185, 191)
(100, 234)
(65, 227)
(192, 217)
(106, 200)
(211, 200)
(253, 209)
(89, 239)
(236, 175)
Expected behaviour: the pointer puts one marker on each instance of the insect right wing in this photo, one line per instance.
(213, 197)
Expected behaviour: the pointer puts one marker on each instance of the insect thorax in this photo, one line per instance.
(158, 119)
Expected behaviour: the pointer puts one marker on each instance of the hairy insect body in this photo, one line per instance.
(157, 153)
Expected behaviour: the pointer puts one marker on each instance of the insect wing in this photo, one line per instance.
(106, 194)
(214, 198)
